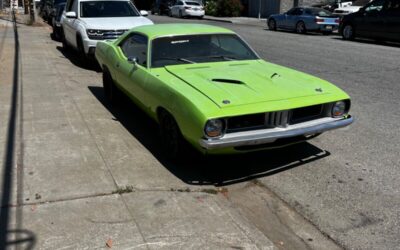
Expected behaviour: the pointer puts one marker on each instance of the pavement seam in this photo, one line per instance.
(115, 192)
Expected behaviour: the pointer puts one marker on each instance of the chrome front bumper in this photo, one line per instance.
(264, 136)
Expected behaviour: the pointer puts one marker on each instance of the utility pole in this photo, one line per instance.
(259, 9)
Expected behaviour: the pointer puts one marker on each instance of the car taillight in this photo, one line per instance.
(319, 20)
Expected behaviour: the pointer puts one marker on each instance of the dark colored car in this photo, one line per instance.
(162, 7)
(56, 22)
(379, 20)
(48, 9)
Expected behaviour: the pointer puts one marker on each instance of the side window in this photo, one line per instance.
(290, 12)
(179, 3)
(308, 12)
(297, 12)
(375, 6)
(69, 5)
(136, 46)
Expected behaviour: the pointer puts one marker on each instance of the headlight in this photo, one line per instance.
(339, 109)
(214, 128)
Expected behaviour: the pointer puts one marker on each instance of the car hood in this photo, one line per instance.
(116, 23)
(230, 84)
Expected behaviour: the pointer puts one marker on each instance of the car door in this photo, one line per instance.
(132, 71)
(370, 23)
(293, 18)
(69, 23)
(175, 8)
(391, 20)
(283, 23)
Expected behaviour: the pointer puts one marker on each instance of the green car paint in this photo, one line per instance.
(192, 93)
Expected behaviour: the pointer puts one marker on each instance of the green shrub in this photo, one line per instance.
(229, 8)
(211, 7)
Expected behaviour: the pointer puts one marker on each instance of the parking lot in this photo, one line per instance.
(83, 158)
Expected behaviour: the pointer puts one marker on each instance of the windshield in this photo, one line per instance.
(199, 49)
(360, 2)
(107, 9)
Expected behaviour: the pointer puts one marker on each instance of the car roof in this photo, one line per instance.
(176, 29)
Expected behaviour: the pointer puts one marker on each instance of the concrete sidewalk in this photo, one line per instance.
(85, 180)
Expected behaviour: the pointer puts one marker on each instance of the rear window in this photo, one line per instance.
(318, 12)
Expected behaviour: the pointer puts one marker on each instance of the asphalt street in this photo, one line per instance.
(352, 192)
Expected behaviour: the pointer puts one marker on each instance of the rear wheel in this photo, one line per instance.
(348, 32)
(272, 24)
(301, 28)
(180, 14)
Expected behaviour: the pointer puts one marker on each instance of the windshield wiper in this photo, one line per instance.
(176, 59)
(228, 58)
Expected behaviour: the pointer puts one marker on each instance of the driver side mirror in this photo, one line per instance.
(133, 60)
(70, 14)
(144, 13)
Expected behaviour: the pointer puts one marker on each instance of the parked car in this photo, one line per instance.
(187, 9)
(205, 85)
(48, 10)
(162, 7)
(56, 22)
(342, 11)
(378, 20)
(304, 19)
(84, 23)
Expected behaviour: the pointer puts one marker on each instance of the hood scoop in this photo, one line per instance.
(231, 81)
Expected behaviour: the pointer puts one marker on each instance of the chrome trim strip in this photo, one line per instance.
(262, 136)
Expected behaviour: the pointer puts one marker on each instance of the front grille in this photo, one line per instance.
(306, 114)
(277, 119)
(106, 34)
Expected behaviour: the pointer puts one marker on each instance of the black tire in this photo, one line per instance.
(200, 17)
(180, 14)
(301, 27)
(111, 92)
(171, 137)
(272, 24)
(64, 42)
(348, 32)
(81, 49)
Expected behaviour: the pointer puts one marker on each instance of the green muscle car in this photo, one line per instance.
(205, 85)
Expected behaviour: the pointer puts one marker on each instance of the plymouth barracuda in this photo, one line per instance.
(205, 85)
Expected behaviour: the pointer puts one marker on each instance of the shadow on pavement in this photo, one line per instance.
(372, 42)
(196, 169)
(77, 60)
(17, 237)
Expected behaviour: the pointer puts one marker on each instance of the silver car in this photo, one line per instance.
(304, 19)
(187, 9)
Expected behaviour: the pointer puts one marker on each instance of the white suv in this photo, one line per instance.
(85, 22)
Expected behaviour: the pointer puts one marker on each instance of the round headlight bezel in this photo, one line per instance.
(215, 128)
(339, 109)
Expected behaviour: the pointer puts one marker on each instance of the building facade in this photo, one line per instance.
(264, 8)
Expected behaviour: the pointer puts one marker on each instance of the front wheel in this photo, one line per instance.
(348, 32)
(272, 24)
(111, 92)
(301, 28)
(171, 137)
